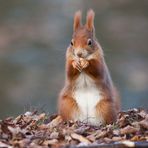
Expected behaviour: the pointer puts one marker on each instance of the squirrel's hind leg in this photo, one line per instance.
(68, 108)
(106, 110)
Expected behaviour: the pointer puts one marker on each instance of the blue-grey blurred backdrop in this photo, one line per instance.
(34, 35)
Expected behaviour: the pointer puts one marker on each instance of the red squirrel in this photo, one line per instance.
(89, 94)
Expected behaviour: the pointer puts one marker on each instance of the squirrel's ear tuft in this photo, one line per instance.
(77, 20)
(90, 20)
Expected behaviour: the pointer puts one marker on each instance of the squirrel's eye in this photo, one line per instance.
(89, 42)
(71, 43)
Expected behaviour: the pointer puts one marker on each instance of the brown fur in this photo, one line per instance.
(90, 20)
(68, 107)
(77, 20)
(108, 107)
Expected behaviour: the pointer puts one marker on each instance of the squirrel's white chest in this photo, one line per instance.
(87, 95)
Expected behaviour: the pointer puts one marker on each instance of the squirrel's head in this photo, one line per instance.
(83, 40)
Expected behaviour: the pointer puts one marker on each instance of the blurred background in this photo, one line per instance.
(34, 35)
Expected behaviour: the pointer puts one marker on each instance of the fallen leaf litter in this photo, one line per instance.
(33, 129)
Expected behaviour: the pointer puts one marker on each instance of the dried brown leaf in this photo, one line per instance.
(80, 138)
(142, 113)
(55, 122)
(116, 132)
(117, 138)
(135, 138)
(101, 134)
(128, 130)
(50, 142)
(54, 135)
(4, 145)
(144, 123)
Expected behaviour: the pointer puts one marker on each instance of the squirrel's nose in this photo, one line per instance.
(79, 54)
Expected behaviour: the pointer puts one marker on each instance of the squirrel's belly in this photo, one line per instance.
(87, 95)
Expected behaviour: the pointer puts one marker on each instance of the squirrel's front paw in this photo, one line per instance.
(77, 65)
(84, 63)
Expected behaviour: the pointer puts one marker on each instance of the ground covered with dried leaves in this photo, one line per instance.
(33, 129)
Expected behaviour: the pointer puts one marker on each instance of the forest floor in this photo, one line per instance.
(39, 130)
